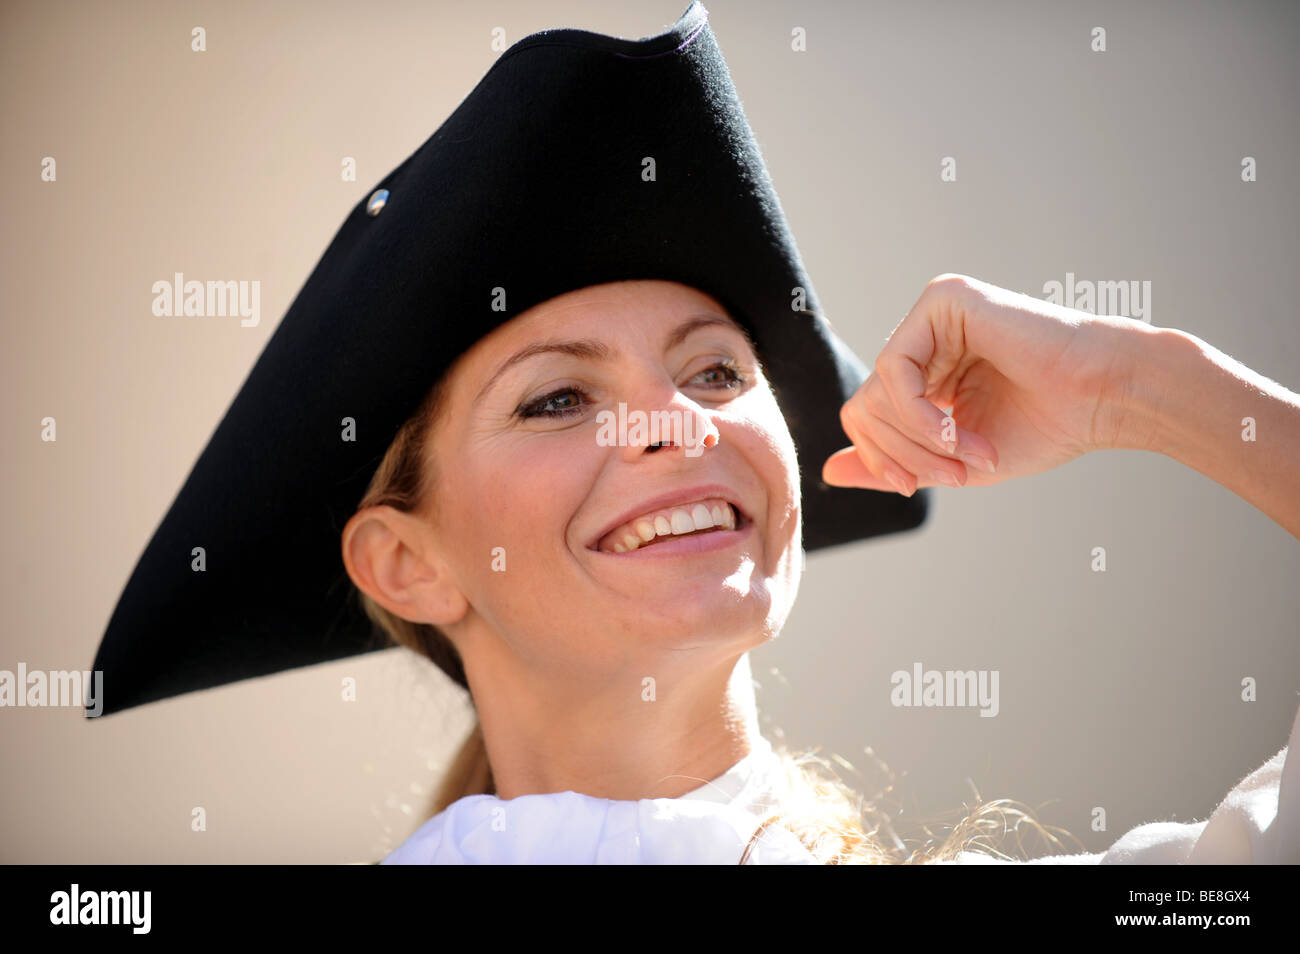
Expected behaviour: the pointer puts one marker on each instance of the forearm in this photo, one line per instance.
(1190, 401)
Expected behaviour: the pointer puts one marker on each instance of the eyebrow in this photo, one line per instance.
(591, 349)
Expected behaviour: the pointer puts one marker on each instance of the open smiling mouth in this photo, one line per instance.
(710, 516)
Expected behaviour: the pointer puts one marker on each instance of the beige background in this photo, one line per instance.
(1118, 690)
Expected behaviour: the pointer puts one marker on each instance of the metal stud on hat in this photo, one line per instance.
(375, 204)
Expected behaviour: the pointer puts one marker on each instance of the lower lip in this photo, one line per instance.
(686, 545)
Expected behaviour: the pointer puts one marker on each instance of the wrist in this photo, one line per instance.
(1154, 386)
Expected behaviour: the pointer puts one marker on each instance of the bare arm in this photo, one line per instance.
(1033, 385)
(1188, 400)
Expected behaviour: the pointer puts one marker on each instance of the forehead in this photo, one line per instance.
(649, 309)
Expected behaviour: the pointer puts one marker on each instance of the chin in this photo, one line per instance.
(723, 619)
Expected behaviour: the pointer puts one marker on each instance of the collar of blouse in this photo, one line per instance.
(715, 823)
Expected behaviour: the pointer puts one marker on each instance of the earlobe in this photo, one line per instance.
(387, 556)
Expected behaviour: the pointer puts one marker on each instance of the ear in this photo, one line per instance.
(390, 557)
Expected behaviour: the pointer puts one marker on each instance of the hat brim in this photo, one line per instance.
(534, 184)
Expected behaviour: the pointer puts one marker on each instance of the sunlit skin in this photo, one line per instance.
(1034, 385)
(559, 646)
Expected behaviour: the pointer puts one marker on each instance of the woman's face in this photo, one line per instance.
(535, 499)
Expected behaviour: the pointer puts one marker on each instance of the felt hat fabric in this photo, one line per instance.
(578, 159)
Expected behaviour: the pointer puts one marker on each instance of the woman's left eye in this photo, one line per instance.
(731, 376)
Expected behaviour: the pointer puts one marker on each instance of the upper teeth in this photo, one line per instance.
(670, 521)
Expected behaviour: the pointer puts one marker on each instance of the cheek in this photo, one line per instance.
(511, 551)
(770, 448)
(772, 452)
(511, 516)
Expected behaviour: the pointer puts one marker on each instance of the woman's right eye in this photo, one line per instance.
(553, 404)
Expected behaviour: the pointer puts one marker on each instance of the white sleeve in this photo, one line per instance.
(1257, 823)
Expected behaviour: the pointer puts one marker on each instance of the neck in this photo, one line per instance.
(657, 741)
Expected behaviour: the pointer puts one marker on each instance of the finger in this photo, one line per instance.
(844, 468)
(928, 467)
(871, 403)
(921, 342)
(879, 466)
(951, 441)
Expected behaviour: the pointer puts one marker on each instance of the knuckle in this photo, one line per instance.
(953, 286)
(949, 280)
(875, 398)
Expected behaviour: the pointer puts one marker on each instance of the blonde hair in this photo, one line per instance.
(835, 822)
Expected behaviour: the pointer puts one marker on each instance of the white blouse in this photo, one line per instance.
(1257, 823)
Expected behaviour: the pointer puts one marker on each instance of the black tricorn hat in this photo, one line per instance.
(537, 184)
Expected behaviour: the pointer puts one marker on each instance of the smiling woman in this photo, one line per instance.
(427, 433)
(607, 653)
(620, 671)
(568, 615)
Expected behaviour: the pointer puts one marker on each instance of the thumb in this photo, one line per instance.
(844, 468)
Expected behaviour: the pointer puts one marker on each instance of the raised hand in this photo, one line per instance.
(1031, 385)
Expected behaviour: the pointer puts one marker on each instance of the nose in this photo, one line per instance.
(667, 422)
